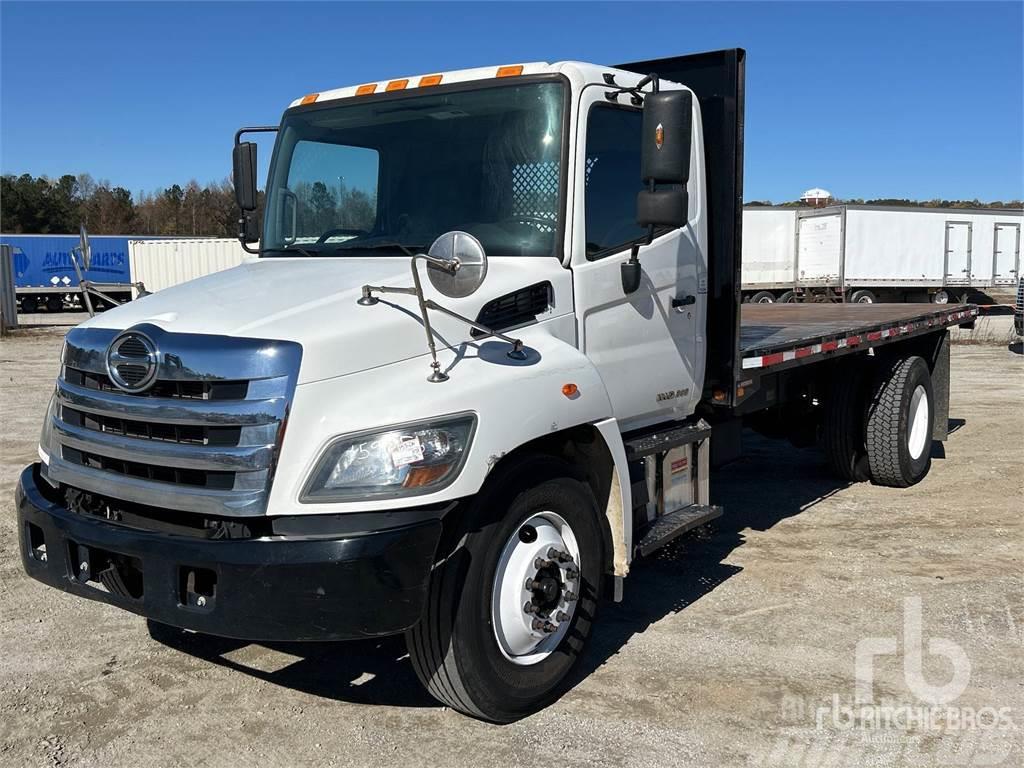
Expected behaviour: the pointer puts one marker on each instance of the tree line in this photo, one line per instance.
(41, 206)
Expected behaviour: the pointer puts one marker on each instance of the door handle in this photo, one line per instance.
(683, 301)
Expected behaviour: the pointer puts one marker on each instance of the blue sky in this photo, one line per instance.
(917, 100)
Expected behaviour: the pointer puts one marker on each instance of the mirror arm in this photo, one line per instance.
(516, 353)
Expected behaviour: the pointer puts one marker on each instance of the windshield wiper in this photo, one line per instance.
(291, 249)
(408, 250)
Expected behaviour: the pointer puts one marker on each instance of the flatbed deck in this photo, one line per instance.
(782, 335)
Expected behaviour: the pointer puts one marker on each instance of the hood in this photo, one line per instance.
(312, 301)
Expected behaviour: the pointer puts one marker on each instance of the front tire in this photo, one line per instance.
(863, 296)
(899, 425)
(466, 654)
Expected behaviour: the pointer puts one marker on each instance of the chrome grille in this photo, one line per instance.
(203, 438)
(1020, 295)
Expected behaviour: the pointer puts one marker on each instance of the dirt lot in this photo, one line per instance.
(734, 647)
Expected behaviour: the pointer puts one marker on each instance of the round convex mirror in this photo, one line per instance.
(469, 253)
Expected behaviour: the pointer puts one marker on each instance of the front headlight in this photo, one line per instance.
(405, 460)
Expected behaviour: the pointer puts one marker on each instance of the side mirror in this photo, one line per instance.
(84, 247)
(665, 158)
(244, 172)
(457, 264)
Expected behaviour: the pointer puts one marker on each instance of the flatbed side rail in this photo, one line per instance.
(866, 338)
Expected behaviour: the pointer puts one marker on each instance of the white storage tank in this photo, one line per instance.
(159, 264)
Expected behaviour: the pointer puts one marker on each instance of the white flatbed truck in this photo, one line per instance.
(469, 445)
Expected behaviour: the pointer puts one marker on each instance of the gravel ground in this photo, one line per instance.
(732, 646)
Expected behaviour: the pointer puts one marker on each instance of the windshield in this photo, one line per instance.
(375, 177)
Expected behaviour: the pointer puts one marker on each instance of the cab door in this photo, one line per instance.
(648, 345)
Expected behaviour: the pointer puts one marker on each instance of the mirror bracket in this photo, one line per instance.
(450, 266)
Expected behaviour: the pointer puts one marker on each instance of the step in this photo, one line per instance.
(662, 438)
(675, 524)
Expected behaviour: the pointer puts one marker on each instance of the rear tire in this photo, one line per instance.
(29, 305)
(788, 297)
(763, 297)
(899, 424)
(455, 648)
(845, 415)
(863, 296)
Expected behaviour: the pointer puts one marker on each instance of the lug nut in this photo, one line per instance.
(537, 625)
(572, 573)
(562, 616)
(201, 601)
(529, 607)
(548, 628)
(540, 563)
(571, 597)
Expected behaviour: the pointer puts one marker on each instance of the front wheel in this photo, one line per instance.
(511, 605)
(863, 296)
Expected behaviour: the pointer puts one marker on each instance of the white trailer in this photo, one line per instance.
(899, 253)
(880, 253)
(769, 254)
(160, 264)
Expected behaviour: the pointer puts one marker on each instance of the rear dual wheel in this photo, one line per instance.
(878, 423)
(898, 434)
(511, 604)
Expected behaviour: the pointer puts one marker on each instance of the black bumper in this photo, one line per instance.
(275, 588)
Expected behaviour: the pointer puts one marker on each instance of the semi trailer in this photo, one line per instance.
(460, 397)
(866, 254)
(45, 276)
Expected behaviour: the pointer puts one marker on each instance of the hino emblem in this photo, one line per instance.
(132, 361)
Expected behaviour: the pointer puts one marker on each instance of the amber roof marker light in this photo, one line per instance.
(510, 71)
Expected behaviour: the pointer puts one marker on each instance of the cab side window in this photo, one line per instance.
(612, 180)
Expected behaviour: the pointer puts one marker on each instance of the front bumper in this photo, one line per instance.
(273, 588)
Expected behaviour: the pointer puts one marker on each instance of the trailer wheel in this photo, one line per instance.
(845, 414)
(863, 296)
(29, 305)
(941, 296)
(788, 297)
(763, 297)
(899, 424)
(510, 606)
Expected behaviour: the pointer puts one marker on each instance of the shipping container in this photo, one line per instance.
(161, 263)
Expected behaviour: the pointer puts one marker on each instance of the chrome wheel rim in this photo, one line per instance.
(536, 588)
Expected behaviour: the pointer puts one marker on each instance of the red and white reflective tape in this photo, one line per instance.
(798, 353)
